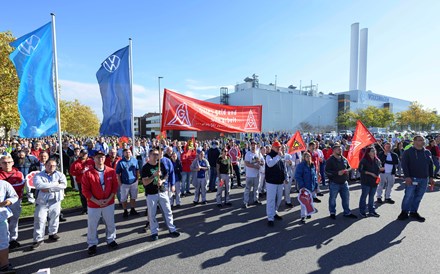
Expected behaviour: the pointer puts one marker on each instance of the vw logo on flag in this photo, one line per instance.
(111, 64)
(29, 45)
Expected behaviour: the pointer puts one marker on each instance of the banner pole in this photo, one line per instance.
(57, 92)
(130, 65)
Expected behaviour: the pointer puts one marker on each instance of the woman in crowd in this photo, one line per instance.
(305, 177)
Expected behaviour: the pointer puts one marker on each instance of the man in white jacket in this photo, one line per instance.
(8, 196)
(50, 185)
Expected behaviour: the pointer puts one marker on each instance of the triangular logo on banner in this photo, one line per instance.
(250, 122)
(181, 118)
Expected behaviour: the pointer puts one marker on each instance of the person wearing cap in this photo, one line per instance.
(200, 166)
(337, 169)
(77, 169)
(253, 161)
(127, 170)
(212, 155)
(275, 173)
(49, 185)
(100, 185)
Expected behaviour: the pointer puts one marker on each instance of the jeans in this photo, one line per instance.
(212, 177)
(367, 191)
(342, 189)
(322, 172)
(185, 182)
(237, 173)
(436, 165)
(414, 194)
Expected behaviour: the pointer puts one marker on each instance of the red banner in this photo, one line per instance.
(181, 112)
(296, 143)
(361, 138)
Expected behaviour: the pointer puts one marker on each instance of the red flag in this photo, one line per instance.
(362, 137)
(296, 143)
(181, 112)
(162, 135)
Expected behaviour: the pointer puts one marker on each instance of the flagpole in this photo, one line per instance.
(57, 92)
(130, 65)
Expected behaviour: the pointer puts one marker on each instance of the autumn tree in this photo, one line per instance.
(417, 118)
(9, 83)
(78, 119)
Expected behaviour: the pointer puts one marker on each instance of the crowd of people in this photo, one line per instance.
(106, 168)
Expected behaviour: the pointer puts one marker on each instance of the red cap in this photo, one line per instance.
(276, 144)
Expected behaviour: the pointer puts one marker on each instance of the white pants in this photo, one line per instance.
(159, 199)
(93, 216)
(53, 208)
(200, 188)
(274, 196)
(287, 188)
(176, 195)
(226, 187)
(13, 221)
(262, 183)
(386, 181)
(251, 182)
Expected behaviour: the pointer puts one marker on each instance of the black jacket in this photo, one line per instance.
(277, 173)
(372, 166)
(333, 166)
(395, 161)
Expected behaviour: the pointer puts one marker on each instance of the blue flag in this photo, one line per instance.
(114, 82)
(33, 60)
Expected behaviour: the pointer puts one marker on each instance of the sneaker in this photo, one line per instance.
(113, 245)
(175, 234)
(374, 214)
(154, 237)
(62, 219)
(14, 244)
(320, 194)
(195, 203)
(363, 215)
(389, 201)
(303, 220)
(309, 217)
(351, 216)
(316, 200)
(219, 205)
(270, 223)
(204, 202)
(188, 193)
(333, 216)
(177, 206)
(133, 212)
(278, 217)
(257, 203)
(125, 215)
(245, 206)
(36, 245)
(379, 201)
(403, 216)
(92, 250)
(54, 237)
(84, 212)
(228, 204)
(290, 205)
(417, 216)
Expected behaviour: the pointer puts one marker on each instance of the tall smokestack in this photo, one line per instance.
(363, 60)
(354, 48)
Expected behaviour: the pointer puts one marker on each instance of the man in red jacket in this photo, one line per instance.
(100, 185)
(77, 169)
(16, 179)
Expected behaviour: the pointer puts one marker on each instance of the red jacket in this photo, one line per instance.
(15, 178)
(91, 186)
(108, 162)
(78, 168)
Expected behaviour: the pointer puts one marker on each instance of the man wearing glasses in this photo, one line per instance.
(50, 185)
(16, 179)
(418, 169)
(154, 179)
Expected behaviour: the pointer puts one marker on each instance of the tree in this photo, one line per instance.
(417, 118)
(376, 117)
(9, 83)
(78, 119)
(346, 120)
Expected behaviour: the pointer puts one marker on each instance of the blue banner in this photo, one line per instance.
(33, 60)
(114, 83)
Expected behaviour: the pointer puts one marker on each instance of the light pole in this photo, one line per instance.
(160, 116)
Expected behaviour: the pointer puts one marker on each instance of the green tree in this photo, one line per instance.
(9, 83)
(376, 117)
(417, 118)
(346, 120)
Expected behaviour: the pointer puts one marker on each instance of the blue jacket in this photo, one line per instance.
(305, 176)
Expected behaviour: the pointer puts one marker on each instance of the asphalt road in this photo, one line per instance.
(237, 240)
